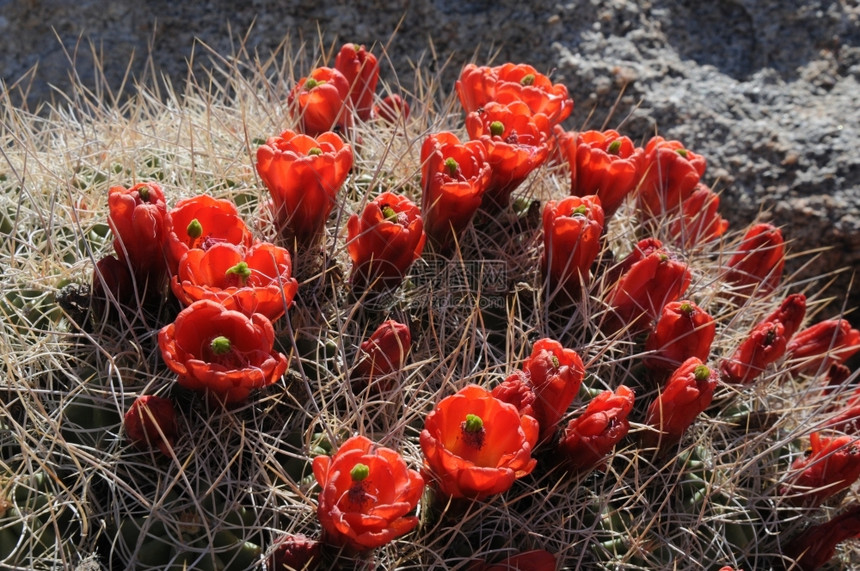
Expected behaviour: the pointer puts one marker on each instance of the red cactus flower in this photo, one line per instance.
(757, 264)
(671, 172)
(816, 545)
(392, 109)
(534, 560)
(589, 437)
(555, 374)
(699, 221)
(384, 241)
(318, 102)
(454, 176)
(790, 313)
(828, 342)
(384, 352)
(222, 351)
(831, 465)
(294, 552)
(151, 423)
(652, 280)
(139, 220)
(361, 70)
(256, 280)
(366, 492)
(517, 143)
(766, 343)
(602, 163)
(688, 392)
(303, 175)
(683, 330)
(511, 82)
(475, 445)
(201, 222)
(571, 236)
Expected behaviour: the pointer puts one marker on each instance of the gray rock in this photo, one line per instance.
(765, 89)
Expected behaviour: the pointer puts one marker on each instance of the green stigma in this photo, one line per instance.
(220, 345)
(241, 269)
(473, 423)
(555, 361)
(497, 128)
(359, 472)
(389, 213)
(528, 79)
(315, 151)
(195, 229)
(579, 211)
(682, 152)
(311, 83)
(614, 147)
(452, 166)
(686, 308)
(702, 373)
(143, 192)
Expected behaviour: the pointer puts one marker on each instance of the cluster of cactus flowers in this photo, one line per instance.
(344, 384)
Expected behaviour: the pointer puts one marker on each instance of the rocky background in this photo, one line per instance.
(767, 90)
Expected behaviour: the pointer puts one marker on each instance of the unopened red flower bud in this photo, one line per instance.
(384, 352)
(113, 276)
(294, 552)
(589, 437)
(756, 266)
(766, 343)
(361, 70)
(151, 423)
(699, 221)
(392, 109)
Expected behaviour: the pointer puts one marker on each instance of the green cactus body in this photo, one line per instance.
(89, 420)
(210, 536)
(38, 529)
(29, 311)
